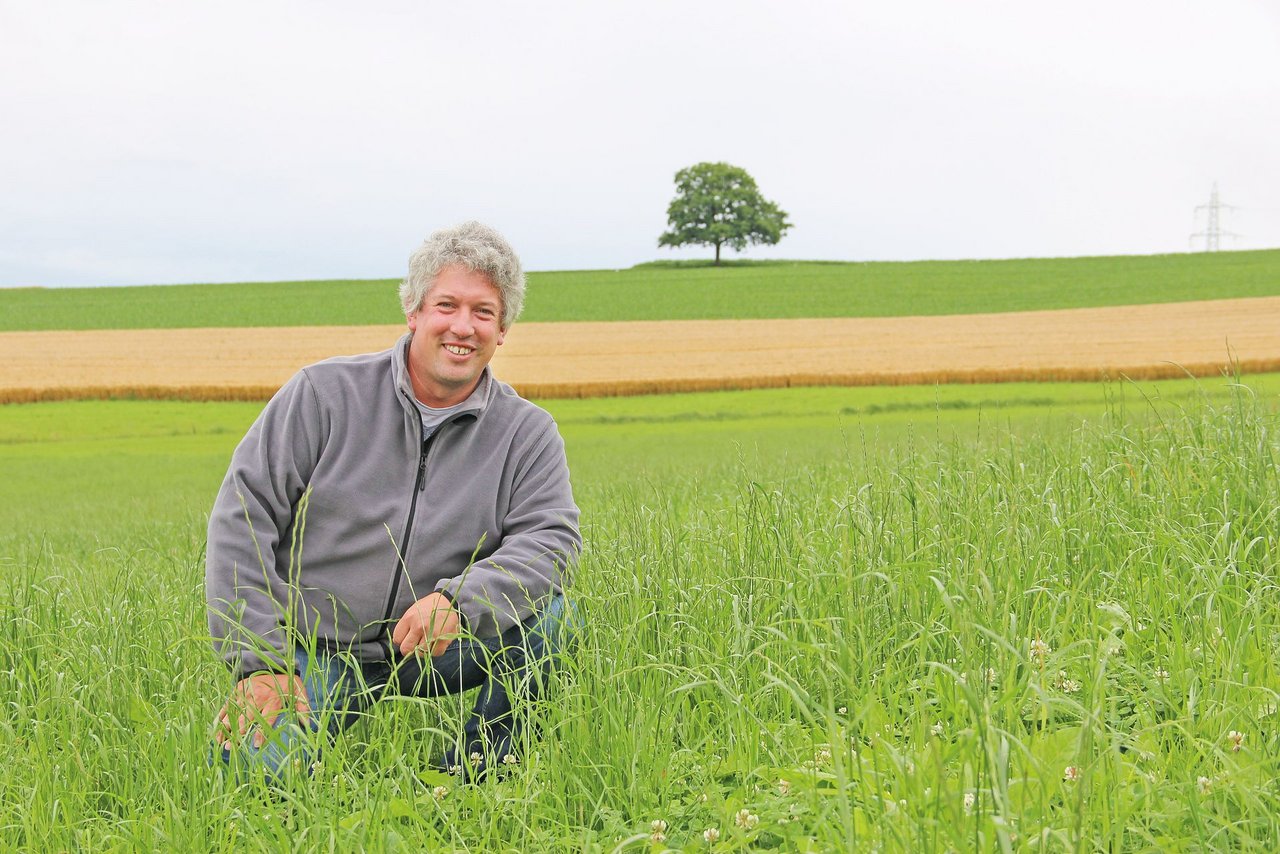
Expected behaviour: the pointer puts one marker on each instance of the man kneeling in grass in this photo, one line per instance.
(397, 523)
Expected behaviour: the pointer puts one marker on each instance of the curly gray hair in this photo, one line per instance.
(471, 245)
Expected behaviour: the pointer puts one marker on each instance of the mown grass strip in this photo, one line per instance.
(683, 292)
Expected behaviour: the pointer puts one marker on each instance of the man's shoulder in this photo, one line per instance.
(510, 405)
(340, 369)
(364, 381)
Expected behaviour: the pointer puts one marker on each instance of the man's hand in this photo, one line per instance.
(429, 624)
(257, 701)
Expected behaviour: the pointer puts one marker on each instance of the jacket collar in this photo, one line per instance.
(472, 408)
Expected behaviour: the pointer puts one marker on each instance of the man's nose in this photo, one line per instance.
(462, 325)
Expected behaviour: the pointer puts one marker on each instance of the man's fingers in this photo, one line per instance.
(257, 704)
(440, 646)
(302, 709)
(222, 728)
(411, 639)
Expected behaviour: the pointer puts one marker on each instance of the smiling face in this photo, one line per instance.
(456, 331)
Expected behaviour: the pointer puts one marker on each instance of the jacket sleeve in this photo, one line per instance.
(539, 546)
(246, 591)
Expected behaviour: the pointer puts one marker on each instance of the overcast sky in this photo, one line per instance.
(149, 142)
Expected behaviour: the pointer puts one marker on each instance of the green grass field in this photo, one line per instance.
(682, 291)
(1014, 617)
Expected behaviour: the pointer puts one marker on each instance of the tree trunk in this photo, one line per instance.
(717, 253)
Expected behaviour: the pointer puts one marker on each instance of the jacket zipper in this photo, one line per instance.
(402, 564)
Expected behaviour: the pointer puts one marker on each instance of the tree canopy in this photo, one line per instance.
(718, 204)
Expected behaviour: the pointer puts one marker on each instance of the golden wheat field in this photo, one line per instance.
(589, 359)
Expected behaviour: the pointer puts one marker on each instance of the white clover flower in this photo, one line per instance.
(658, 836)
(1161, 673)
(1236, 740)
(1039, 650)
(475, 757)
(455, 770)
(1065, 684)
(991, 675)
(658, 826)
(509, 759)
(1204, 784)
(711, 835)
(702, 798)
(784, 788)
(439, 792)
(936, 729)
(969, 800)
(1071, 773)
(746, 819)
(843, 710)
(822, 756)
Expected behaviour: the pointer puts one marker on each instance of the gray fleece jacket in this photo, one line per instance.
(335, 516)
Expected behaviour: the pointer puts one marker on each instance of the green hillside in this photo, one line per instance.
(670, 291)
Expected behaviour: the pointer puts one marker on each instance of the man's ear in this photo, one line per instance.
(502, 335)
(412, 320)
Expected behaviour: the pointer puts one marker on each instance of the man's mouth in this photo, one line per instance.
(459, 349)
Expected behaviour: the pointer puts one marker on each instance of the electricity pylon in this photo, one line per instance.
(1213, 232)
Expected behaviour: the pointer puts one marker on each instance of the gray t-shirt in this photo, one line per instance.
(433, 418)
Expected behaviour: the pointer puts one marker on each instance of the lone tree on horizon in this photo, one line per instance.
(716, 204)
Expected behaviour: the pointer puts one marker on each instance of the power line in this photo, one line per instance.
(1213, 232)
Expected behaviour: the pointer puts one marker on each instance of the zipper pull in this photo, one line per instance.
(422, 467)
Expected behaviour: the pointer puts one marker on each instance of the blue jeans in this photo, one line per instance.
(511, 670)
